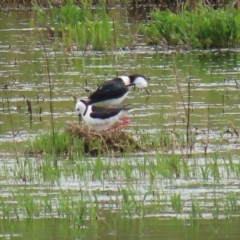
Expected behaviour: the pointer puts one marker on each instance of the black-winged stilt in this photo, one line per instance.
(114, 91)
(102, 118)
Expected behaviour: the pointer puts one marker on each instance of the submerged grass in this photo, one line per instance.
(141, 187)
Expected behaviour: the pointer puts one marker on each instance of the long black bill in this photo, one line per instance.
(79, 118)
(147, 91)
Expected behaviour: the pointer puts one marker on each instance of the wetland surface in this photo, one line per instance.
(172, 192)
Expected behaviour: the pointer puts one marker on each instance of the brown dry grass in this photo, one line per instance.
(191, 3)
(103, 142)
(27, 3)
(47, 3)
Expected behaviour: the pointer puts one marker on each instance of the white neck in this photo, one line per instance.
(126, 80)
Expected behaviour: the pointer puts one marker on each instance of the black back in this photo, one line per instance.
(104, 113)
(112, 89)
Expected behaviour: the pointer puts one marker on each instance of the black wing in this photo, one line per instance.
(109, 90)
(104, 113)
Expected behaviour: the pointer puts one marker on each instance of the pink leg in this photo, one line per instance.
(123, 119)
(124, 123)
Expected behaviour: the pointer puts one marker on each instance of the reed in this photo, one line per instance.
(81, 206)
(78, 210)
(205, 28)
(231, 203)
(129, 202)
(47, 205)
(98, 170)
(49, 171)
(167, 167)
(28, 205)
(195, 209)
(216, 208)
(6, 210)
(12, 126)
(80, 26)
(177, 204)
(44, 143)
(189, 139)
(50, 87)
(215, 169)
(169, 140)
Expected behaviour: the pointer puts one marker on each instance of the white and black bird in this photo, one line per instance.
(100, 118)
(114, 91)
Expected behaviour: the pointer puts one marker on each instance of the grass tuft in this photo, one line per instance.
(78, 140)
(204, 28)
(80, 26)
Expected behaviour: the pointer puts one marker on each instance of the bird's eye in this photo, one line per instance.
(77, 109)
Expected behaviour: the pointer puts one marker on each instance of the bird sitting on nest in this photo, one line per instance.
(103, 118)
(113, 92)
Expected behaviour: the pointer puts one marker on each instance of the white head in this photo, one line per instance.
(81, 107)
(139, 81)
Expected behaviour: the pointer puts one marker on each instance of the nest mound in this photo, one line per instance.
(95, 143)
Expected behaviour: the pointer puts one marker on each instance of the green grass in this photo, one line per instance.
(77, 140)
(196, 209)
(79, 25)
(144, 184)
(138, 190)
(43, 144)
(204, 28)
(176, 202)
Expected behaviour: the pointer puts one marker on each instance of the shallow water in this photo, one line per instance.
(128, 199)
(152, 228)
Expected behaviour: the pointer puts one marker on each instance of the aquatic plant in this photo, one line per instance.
(42, 144)
(176, 202)
(6, 209)
(130, 205)
(195, 209)
(203, 28)
(138, 190)
(28, 205)
(82, 26)
(14, 145)
(74, 210)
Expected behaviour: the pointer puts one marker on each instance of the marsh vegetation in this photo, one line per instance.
(177, 166)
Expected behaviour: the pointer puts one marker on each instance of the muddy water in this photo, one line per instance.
(211, 79)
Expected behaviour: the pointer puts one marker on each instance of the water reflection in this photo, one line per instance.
(113, 227)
